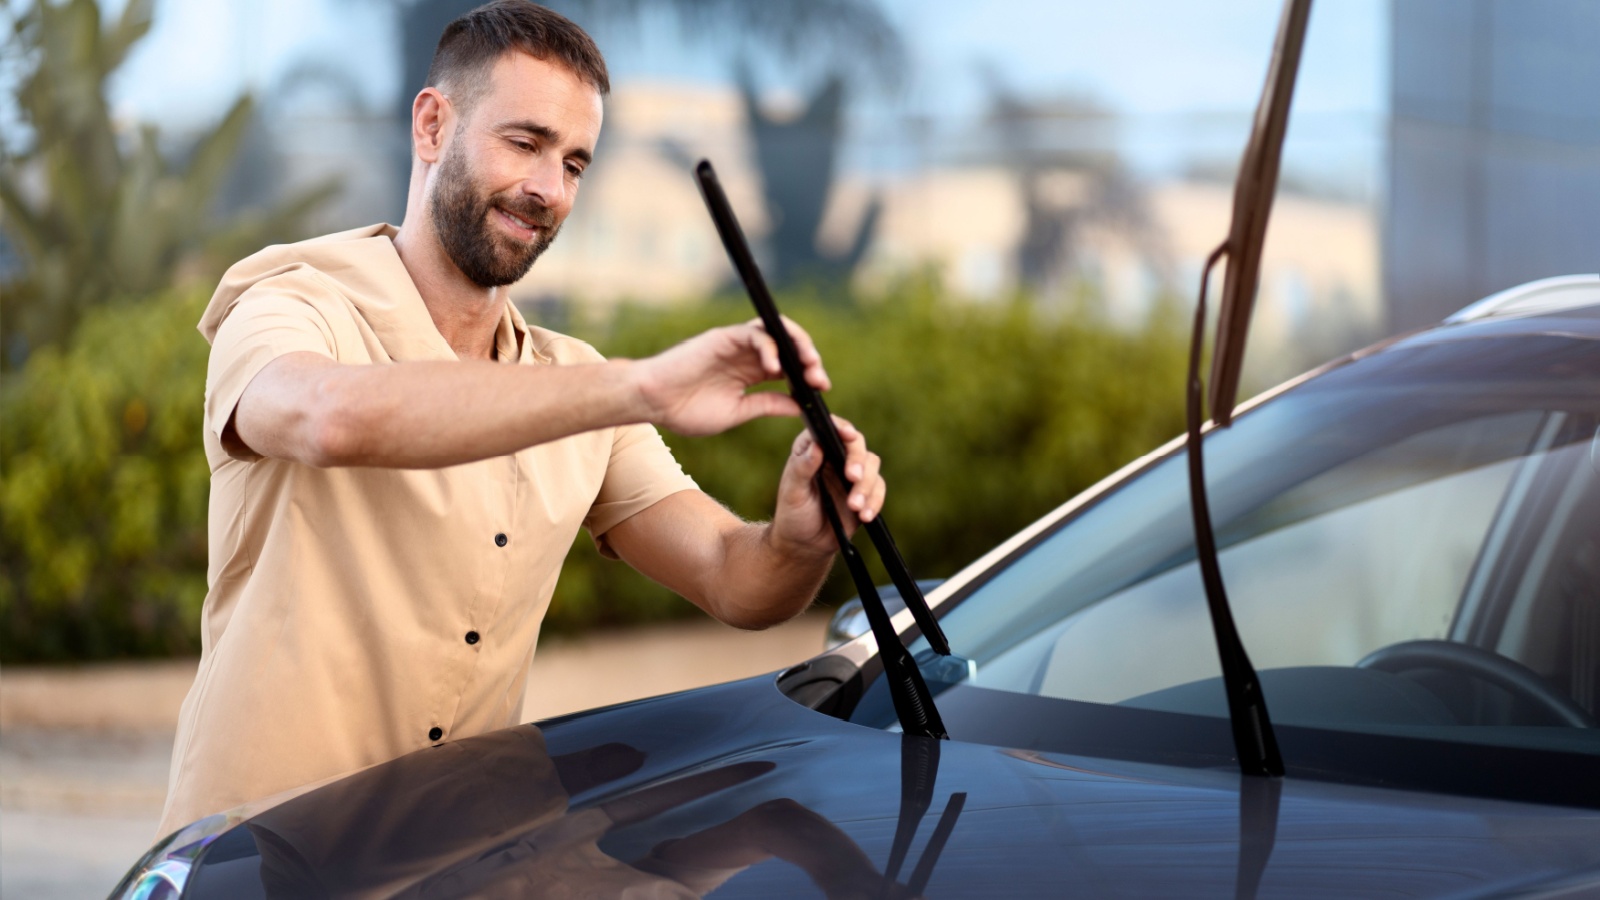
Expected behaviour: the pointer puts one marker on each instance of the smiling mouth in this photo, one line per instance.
(520, 227)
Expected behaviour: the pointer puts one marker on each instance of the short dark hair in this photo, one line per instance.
(471, 44)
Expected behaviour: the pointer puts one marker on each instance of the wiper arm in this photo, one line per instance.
(912, 701)
(1253, 738)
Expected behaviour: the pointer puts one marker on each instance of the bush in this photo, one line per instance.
(103, 500)
(986, 415)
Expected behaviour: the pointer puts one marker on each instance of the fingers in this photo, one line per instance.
(855, 448)
(766, 349)
(805, 348)
(816, 376)
(862, 467)
(867, 492)
(800, 507)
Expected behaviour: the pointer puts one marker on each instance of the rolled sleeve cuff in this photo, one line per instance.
(642, 472)
(256, 332)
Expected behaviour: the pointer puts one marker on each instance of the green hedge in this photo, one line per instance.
(986, 415)
(103, 495)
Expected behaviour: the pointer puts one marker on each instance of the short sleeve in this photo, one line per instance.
(262, 326)
(640, 473)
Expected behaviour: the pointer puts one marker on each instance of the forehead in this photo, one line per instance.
(521, 88)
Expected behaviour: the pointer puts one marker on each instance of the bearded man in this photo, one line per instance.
(399, 462)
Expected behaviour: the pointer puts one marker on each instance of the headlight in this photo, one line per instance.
(162, 873)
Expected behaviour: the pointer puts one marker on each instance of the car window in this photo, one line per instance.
(1363, 520)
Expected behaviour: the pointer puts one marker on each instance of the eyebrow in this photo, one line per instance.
(546, 133)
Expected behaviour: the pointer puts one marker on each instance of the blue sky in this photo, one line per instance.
(1162, 63)
(1143, 56)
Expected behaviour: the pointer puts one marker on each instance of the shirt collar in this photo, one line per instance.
(512, 341)
(377, 283)
(397, 312)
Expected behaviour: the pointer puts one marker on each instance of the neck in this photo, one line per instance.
(465, 313)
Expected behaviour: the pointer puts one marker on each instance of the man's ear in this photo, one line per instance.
(430, 114)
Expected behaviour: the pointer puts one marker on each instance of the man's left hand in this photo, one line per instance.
(798, 524)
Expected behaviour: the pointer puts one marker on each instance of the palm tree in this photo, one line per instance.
(95, 212)
(847, 35)
(1039, 140)
(844, 41)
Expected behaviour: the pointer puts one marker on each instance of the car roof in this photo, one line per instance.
(1562, 294)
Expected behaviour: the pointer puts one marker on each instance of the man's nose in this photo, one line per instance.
(547, 182)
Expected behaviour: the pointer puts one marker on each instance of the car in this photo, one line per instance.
(1411, 540)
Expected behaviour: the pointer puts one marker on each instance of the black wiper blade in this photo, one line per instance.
(1253, 738)
(1253, 193)
(912, 701)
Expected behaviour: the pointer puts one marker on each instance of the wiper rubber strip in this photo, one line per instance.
(912, 701)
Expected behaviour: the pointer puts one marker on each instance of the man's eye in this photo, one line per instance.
(524, 146)
(575, 171)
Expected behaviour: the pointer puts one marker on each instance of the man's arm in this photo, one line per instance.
(308, 408)
(752, 575)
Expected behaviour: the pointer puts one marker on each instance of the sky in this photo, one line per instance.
(1166, 65)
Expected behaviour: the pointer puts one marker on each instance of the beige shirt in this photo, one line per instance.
(357, 614)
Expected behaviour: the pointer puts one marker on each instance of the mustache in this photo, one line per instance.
(529, 210)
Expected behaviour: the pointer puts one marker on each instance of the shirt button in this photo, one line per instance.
(435, 733)
(472, 637)
(500, 540)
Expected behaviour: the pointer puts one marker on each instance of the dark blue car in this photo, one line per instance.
(1411, 541)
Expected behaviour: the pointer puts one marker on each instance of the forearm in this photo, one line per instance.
(429, 414)
(762, 582)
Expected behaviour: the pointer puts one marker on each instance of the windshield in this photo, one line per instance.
(1411, 546)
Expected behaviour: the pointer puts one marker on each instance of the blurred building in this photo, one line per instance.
(990, 227)
(639, 231)
(1494, 168)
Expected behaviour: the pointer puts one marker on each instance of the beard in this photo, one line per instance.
(461, 212)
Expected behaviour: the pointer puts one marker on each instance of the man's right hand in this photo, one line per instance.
(700, 386)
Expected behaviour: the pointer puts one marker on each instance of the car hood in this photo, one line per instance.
(739, 790)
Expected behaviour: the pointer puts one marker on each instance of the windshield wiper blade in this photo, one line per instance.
(1253, 193)
(1253, 737)
(913, 702)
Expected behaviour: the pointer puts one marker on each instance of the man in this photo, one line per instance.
(399, 462)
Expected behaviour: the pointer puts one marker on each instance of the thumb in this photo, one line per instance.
(805, 460)
(767, 403)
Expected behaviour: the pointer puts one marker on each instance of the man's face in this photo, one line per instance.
(510, 171)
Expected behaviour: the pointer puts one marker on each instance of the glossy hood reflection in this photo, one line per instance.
(736, 791)
(490, 816)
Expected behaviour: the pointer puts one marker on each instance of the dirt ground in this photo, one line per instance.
(84, 750)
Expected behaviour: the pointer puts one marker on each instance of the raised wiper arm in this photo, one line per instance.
(1253, 737)
(913, 702)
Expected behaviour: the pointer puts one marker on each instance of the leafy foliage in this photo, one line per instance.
(103, 500)
(986, 416)
(95, 213)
